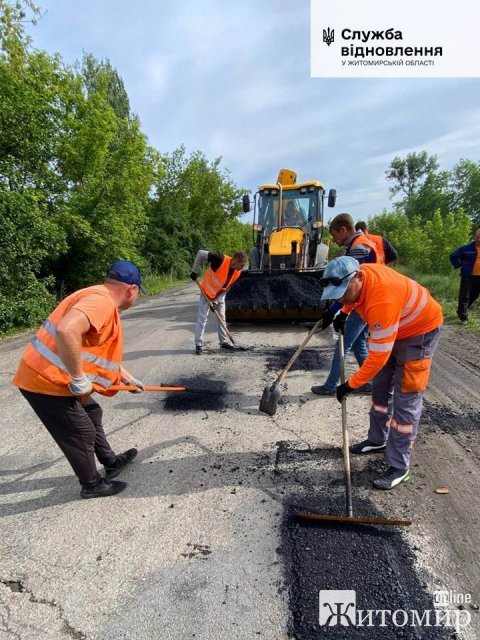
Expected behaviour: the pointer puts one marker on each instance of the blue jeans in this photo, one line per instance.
(356, 331)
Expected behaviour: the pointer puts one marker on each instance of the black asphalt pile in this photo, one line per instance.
(203, 394)
(449, 421)
(375, 562)
(308, 360)
(272, 291)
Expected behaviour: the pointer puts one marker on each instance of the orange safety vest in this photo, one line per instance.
(394, 307)
(100, 361)
(378, 240)
(367, 241)
(215, 283)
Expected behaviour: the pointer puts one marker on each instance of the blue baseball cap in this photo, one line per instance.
(337, 275)
(125, 271)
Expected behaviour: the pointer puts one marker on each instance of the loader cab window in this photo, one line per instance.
(268, 212)
(298, 210)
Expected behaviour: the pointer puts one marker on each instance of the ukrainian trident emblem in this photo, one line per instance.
(328, 36)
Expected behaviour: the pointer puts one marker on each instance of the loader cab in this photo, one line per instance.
(288, 221)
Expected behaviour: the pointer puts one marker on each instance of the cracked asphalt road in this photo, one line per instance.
(193, 547)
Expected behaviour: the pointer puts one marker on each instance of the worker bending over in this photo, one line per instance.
(76, 351)
(222, 272)
(362, 249)
(404, 322)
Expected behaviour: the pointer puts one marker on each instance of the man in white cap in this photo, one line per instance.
(404, 322)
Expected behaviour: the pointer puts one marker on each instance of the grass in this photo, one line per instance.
(155, 284)
(444, 289)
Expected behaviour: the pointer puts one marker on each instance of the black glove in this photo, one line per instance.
(343, 390)
(213, 306)
(327, 319)
(339, 322)
(194, 276)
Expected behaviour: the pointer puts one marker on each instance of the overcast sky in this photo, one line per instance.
(233, 80)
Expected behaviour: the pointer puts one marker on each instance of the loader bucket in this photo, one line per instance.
(276, 296)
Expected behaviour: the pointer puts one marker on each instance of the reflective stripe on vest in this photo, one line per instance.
(88, 357)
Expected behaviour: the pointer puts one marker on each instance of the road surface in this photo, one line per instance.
(203, 543)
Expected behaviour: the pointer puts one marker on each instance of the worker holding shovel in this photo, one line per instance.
(404, 322)
(76, 351)
(222, 272)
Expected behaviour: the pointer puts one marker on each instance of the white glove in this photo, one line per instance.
(80, 386)
(134, 382)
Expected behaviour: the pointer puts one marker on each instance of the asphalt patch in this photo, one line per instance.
(308, 360)
(449, 421)
(375, 562)
(204, 394)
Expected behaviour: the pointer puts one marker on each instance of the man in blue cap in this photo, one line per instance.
(404, 323)
(78, 350)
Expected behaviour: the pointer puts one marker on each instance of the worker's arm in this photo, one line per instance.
(456, 257)
(362, 253)
(127, 378)
(382, 320)
(70, 330)
(200, 257)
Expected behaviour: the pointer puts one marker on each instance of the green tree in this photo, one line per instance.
(422, 187)
(196, 206)
(465, 189)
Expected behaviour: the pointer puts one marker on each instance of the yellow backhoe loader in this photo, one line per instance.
(288, 256)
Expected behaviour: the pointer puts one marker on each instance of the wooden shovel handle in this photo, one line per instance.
(127, 387)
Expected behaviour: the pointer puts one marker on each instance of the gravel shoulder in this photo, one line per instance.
(203, 544)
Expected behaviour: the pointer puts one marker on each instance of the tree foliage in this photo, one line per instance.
(80, 187)
(196, 206)
(424, 245)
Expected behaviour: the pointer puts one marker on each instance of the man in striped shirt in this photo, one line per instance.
(404, 322)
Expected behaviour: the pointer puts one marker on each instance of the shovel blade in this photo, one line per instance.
(270, 397)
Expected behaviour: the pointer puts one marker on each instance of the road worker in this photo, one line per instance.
(293, 216)
(222, 272)
(385, 249)
(362, 249)
(467, 258)
(76, 351)
(404, 322)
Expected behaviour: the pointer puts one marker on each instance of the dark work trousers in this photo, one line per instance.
(77, 429)
(469, 292)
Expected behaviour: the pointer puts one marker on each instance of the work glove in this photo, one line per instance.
(343, 390)
(194, 276)
(134, 382)
(213, 306)
(339, 322)
(80, 386)
(327, 319)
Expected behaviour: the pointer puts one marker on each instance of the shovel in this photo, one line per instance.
(349, 518)
(237, 345)
(271, 393)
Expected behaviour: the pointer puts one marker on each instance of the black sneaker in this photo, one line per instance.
(227, 345)
(367, 447)
(322, 390)
(199, 350)
(122, 460)
(103, 488)
(391, 478)
(365, 389)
